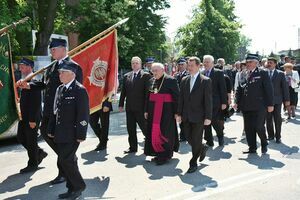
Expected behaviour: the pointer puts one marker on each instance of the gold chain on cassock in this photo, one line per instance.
(155, 90)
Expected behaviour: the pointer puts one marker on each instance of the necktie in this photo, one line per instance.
(249, 75)
(207, 73)
(271, 73)
(64, 89)
(57, 98)
(134, 76)
(192, 83)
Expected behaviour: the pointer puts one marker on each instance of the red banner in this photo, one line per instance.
(99, 63)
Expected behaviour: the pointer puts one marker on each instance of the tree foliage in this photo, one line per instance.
(212, 30)
(142, 35)
(12, 11)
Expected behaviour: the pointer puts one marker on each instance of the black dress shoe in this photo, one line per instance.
(192, 169)
(264, 149)
(130, 151)
(182, 140)
(42, 155)
(100, 148)
(28, 169)
(64, 195)
(70, 195)
(249, 151)
(278, 141)
(270, 138)
(203, 153)
(210, 143)
(75, 194)
(57, 180)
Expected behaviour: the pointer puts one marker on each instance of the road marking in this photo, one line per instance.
(221, 186)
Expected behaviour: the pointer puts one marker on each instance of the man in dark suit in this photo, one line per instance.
(182, 72)
(101, 130)
(195, 109)
(68, 126)
(280, 63)
(281, 95)
(30, 104)
(49, 84)
(134, 90)
(255, 98)
(219, 98)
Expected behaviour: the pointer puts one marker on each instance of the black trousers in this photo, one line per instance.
(194, 134)
(275, 117)
(217, 124)
(28, 138)
(50, 141)
(254, 122)
(132, 119)
(100, 130)
(68, 161)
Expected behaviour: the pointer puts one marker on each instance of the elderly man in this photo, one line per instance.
(195, 109)
(30, 104)
(134, 90)
(160, 112)
(68, 126)
(49, 83)
(219, 98)
(281, 95)
(255, 98)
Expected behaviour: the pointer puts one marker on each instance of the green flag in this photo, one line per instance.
(8, 111)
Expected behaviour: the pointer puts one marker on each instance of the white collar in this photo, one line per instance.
(195, 75)
(68, 84)
(137, 72)
(59, 61)
(183, 72)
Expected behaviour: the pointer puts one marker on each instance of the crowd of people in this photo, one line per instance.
(196, 95)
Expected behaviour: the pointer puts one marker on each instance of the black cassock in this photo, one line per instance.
(161, 105)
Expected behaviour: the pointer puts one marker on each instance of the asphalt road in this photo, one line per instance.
(225, 173)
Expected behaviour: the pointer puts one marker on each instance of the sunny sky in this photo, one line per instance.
(271, 24)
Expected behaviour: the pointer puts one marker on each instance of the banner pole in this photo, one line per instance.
(78, 48)
(13, 25)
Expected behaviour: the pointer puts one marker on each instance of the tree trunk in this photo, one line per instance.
(72, 36)
(46, 16)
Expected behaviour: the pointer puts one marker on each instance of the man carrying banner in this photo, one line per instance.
(49, 83)
(30, 104)
(160, 112)
(68, 126)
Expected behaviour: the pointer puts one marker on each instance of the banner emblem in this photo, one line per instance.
(98, 73)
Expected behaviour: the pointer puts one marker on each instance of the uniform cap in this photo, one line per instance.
(181, 61)
(251, 56)
(56, 42)
(67, 66)
(26, 61)
(150, 60)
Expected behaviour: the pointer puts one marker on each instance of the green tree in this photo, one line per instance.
(11, 11)
(142, 35)
(243, 45)
(210, 32)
